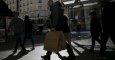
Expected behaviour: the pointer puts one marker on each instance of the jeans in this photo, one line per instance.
(19, 40)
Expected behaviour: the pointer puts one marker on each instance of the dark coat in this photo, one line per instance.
(28, 26)
(108, 17)
(65, 28)
(95, 24)
(57, 13)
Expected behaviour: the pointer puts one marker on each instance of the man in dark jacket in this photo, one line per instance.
(108, 17)
(17, 25)
(95, 29)
(28, 31)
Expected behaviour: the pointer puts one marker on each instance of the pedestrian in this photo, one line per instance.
(108, 18)
(17, 25)
(57, 20)
(28, 33)
(95, 29)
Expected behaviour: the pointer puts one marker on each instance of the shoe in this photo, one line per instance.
(24, 51)
(32, 48)
(71, 58)
(90, 50)
(57, 52)
(45, 57)
(14, 51)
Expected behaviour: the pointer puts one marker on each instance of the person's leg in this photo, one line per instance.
(92, 46)
(93, 38)
(21, 38)
(25, 37)
(17, 42)
(104, 38)
(32, 40)
(47, 56)
(70, 51)
(16, 46)
(93, 43)
(112, 36)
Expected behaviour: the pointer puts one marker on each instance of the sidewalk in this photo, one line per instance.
(79, 46)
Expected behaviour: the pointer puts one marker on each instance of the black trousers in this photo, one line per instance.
(19, 40)
(28, 36)
(95, 37)
(69, 50)
(104, 38)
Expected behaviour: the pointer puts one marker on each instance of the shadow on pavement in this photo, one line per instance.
(85, 55)
(16, 57)
(11, 44)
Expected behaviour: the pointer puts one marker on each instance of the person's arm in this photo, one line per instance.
(55, 17)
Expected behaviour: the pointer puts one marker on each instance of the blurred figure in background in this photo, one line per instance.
(28, 31)
(17, 25)
(95, 29)
(108, 17)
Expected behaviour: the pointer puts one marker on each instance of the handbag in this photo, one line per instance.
(55, 41)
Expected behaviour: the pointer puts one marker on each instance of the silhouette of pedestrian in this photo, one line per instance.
(57, 20)
(108, 17)
(28, 31)
(17, 25)
(95, 29)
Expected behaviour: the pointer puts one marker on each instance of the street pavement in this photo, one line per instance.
(80, 47)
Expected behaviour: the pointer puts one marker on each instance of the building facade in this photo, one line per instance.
(12, 4)
(33, 8)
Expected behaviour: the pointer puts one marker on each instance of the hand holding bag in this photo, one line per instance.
(55, 41)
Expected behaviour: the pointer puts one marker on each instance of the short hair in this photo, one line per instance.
(26, 16)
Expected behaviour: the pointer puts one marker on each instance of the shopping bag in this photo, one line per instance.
(55, 41)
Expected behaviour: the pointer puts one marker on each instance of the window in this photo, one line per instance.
(39, 7)
(13, 7)
(23, 4)
(39, 1)
(20, 10)
(27, 9)
(27, 3)
(10, 2)
(20, 5)
(30, 2)
(13, 1)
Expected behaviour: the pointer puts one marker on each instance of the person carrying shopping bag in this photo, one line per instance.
(58, 24)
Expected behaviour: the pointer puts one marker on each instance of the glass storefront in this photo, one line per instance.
(79, 19)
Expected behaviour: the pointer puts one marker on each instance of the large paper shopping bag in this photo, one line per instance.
(55, 41)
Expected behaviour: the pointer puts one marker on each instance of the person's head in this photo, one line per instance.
(59, 4)
(26, 17)
(15, 13)
(50, 2)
